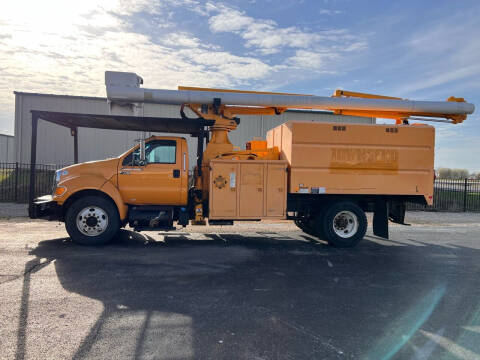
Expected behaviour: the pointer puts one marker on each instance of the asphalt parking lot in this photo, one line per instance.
(251, 291)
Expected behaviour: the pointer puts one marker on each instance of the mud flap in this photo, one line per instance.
(380, 219)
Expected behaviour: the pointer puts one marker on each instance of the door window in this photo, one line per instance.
(156, 152)
(161, 152)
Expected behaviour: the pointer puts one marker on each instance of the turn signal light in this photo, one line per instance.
(60, 190)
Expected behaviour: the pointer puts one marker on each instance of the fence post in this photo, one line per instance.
(16, 181)
(465, 195)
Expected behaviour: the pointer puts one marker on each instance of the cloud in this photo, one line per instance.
(181, 39)
(268, 37)
(329, 12)
(444, 77)
(41, 54)
(445, 52)
(228, 19)
(57, 47)
(313, 60)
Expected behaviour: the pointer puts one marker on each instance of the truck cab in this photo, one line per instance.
(162, 178)
(146, 187)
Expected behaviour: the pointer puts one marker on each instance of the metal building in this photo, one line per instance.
(7, 148)
(55, 143)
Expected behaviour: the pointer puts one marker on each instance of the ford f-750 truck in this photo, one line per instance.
(323, 176)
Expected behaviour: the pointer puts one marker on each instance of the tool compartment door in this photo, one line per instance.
(251, 196)
(223, 190)
(276, 190)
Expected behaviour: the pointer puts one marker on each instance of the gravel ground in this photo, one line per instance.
(13, 210)
(249, 291)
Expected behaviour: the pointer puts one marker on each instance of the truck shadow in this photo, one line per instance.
(260, 296)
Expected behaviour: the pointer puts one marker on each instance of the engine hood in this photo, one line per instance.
(105, 168)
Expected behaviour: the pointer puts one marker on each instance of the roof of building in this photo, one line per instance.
(60, 96)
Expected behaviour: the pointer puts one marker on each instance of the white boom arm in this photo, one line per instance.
(125, 87)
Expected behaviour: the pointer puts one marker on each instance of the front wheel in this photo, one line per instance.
(344, 224)
(92, 220)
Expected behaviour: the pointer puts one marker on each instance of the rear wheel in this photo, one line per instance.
(92, 220)
(344, 224)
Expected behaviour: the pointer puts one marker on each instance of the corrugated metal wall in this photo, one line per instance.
(7, 148)
(55, 144)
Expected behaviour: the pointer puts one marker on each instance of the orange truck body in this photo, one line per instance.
(358, 159)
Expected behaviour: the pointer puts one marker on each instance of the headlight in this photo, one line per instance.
(58, 176)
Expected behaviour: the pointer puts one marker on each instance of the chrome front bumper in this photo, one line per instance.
(45, 208)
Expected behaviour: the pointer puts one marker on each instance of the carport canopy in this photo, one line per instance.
(182, 125)
(120, 122)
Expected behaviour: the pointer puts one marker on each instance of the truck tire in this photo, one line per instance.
(343, 224)
(92, 220)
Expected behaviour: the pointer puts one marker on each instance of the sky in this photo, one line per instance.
(421, 50)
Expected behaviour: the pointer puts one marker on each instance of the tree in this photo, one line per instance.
(447, 173)
(444, 173)
(460, 173)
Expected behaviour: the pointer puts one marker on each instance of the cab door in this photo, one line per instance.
(159, 181)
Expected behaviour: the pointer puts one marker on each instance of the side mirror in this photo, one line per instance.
(138, 162)
(141, 159)
(142, 151)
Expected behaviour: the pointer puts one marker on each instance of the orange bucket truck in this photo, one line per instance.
(322, 176)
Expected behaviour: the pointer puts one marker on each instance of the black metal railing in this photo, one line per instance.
(453, 195)
(15, 181)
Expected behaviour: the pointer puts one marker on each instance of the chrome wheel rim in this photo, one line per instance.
(345, 224)
(92, 221)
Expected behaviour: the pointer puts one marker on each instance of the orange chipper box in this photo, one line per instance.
(359, 159)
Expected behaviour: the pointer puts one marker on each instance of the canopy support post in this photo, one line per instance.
(33, 163)
(74, 132)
